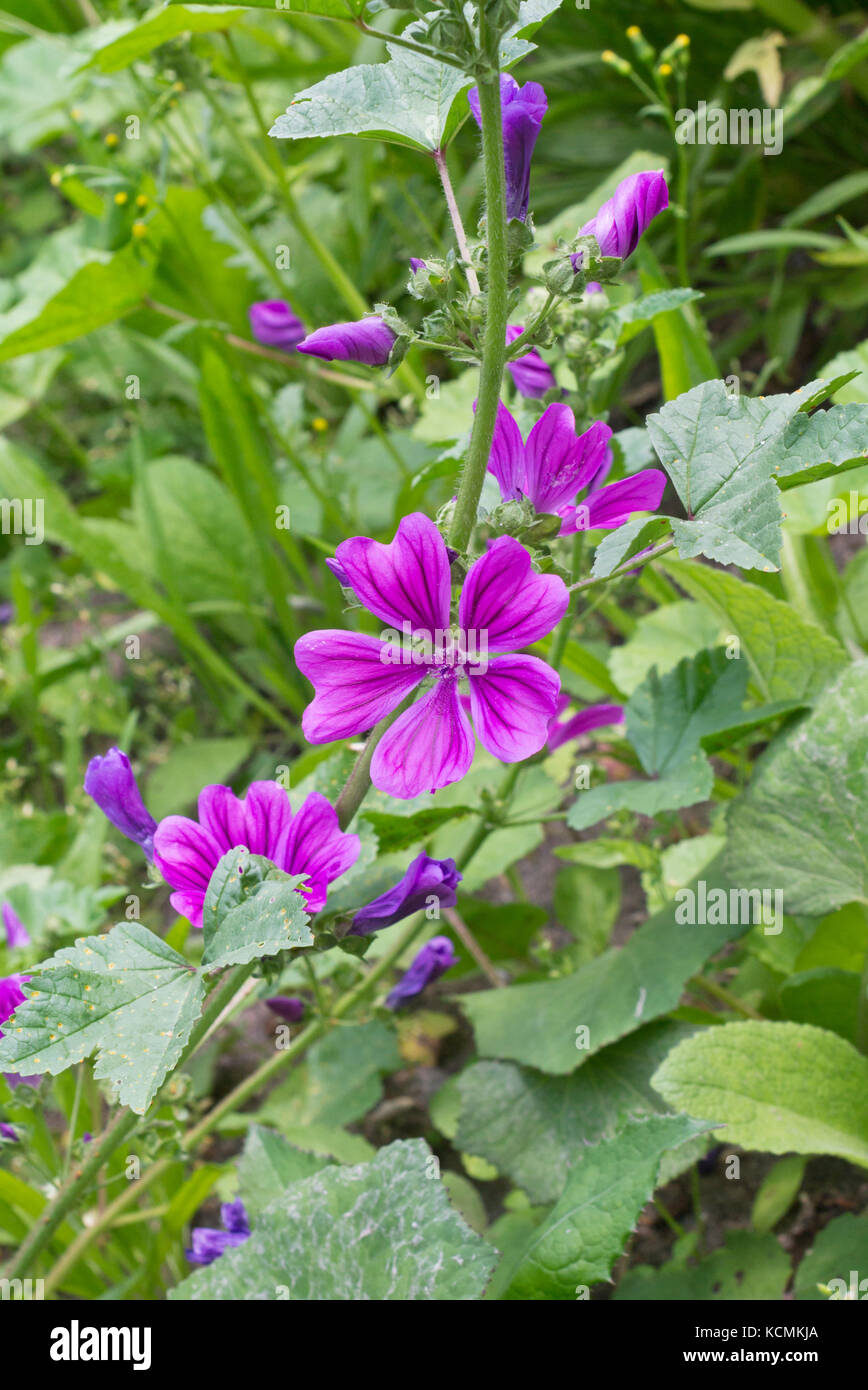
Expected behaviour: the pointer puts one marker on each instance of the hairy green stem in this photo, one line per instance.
(496, 310)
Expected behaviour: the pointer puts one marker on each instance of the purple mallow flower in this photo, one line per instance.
(592, 717)
(310, 842)
(522, 109)
(209, 1243)
(435, 957)
(110, 781)
(416, 264)
(555, 464)
(425, 879)
(16, 932)
(532, 375)
(273, 322)
(290, 1010)
(623, 218)
(358, 679)
(369, 341)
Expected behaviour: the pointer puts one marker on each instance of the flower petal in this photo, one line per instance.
(221, 815)
(505, 600)
(355, 686)
(186, 854)
(315, 845)
(429, 746)
(406, 581)
(559, 463)
(506, 460)
(267, 819)
(512, 703)
(615, 503)
(531, 373)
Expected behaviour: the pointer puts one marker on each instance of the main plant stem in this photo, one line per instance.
(496, 310)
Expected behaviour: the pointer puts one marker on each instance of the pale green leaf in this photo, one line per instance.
(380, 1231)
(777, 1087)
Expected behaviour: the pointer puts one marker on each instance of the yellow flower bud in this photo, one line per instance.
(111, 140)
(634, 31)
(56, 179)
(121, 198)
(139, 230)
(141, 201)
(320, 424)
(665, 69)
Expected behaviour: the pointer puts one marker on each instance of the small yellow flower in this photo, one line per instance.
(121, 198)
(665, 69)
(634, 31)
(75, 113)
(139, 229)
(56, 179)
(111, 140)
(177, 87)
(141, 201)
(320, 424)
(683, 40)
(608, 56)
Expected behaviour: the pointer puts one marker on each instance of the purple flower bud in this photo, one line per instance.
(111, 783)
(7, 1132)
(369, 341)
(593, 287)
(339, 572)
(424, 879)
(532, 376)
(522, 110)
(273, 322)
(435, 957)
(592, 717)
(416, 265)
(209, 1243)
(7, 613)
(290, 1010)
(16, 932)
(623, 218)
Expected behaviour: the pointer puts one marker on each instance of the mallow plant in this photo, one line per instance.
(455, 701)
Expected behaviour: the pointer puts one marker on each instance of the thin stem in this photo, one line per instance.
(412, 47)
(332, 267)
(455, 216)
(68, 1196)
(633, 563)
(463, 932)
(718, 992)
(496, 310)
(359, 781)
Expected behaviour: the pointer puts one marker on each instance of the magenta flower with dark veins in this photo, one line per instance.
(110, 781)
(274, 323)
(624, 217)
(425, 879)
(210, 1243)
(522, 110)
(310, 842)
(591, 717)
(531, 374)
(554, 465)
(358, 679)
(368, 340)
(436, 957)
(16, 932)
